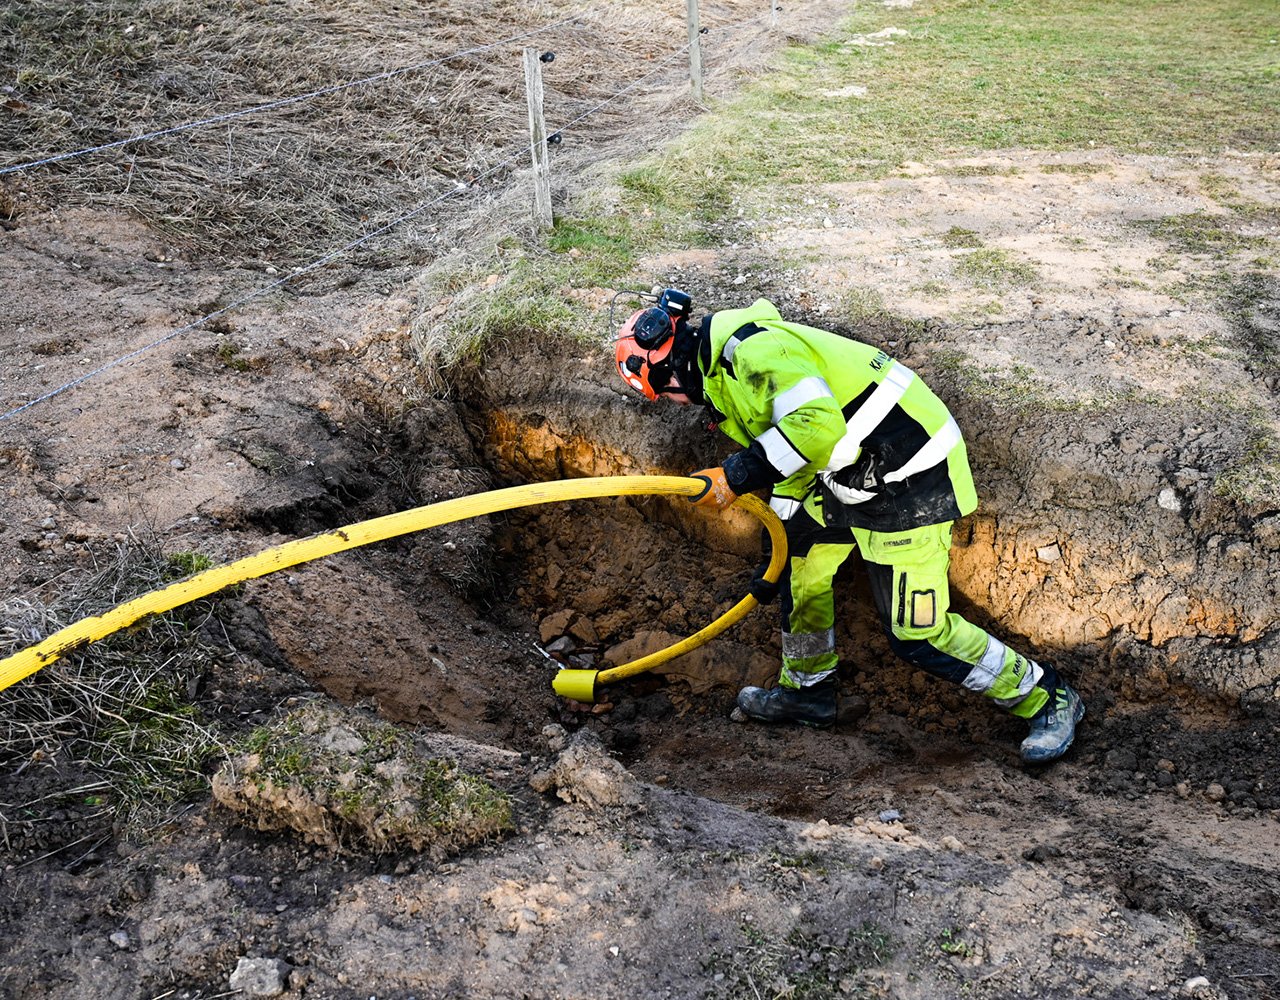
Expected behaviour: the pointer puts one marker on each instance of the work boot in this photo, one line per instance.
(814, 705)
(1054, 726)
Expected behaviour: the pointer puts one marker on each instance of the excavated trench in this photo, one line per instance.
(1159, 614)
(1166, 804)
(1153, 597)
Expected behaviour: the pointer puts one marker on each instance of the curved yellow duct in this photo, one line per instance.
(27, 661)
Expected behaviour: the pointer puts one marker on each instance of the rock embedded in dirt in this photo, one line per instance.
(586, 775)
(557, 737)
(1041, 853)
(260, 977)
(554, 626)
(1122, 760)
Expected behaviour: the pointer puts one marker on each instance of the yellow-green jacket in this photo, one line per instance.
(833, 421)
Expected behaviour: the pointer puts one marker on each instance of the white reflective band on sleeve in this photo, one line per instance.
(784, 507)
(868, 416)
(782, 456)
(730, 346)
(933, 451)
(987, 669)
(804, 391)
(803, 645)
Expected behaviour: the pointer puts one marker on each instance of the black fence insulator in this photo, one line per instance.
(547, 57)
(553, 139)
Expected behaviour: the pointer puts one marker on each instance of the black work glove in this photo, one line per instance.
(761, 589)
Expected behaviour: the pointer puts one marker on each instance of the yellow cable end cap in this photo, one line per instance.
(580, 685)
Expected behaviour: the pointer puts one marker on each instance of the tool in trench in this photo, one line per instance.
(579, 685)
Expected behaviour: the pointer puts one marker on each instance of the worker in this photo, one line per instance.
(858, 452)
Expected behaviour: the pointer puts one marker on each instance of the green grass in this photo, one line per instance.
(1248, 299)
(186, 563)
(517, 287)
(862, 313)
(959, 238)
(974, 76)
(1021, 389)
(1254, 480)
(229, 354)
(989, 267)
(1206, 235)
(1074, 169)
(951, 943)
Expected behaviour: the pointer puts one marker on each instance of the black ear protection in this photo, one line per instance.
(657, 324)
(653, 328)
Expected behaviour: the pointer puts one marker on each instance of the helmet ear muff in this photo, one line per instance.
(652, 327)
(642, 348)
(644, 343)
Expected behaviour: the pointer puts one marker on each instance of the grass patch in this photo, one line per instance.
(513, 287)
(184, 564)
(978, 170)
(502, 294)
(1252, 302)
(801, 966)
(346, 780)
(120, 710)
(959, 238)
(864, 313)
(951, 943)
(229, 354)
(972, 76)
(1223, 190)
(989, 267)
(1021, 389)
(1255, 478)
(1074, 169)
(1205, 235)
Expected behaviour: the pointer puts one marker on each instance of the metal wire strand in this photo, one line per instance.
(285, 102)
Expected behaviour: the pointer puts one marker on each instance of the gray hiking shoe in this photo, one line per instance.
(1054, 727)
(810, 706)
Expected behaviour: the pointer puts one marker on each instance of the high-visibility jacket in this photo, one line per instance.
(840, 424)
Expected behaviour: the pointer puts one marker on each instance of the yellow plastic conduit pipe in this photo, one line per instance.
(576, 684)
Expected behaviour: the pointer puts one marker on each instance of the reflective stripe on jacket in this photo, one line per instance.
(818, 404)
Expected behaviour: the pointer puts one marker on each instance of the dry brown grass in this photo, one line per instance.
(287, 185)
(121, 710)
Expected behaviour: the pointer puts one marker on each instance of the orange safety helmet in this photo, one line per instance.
(644, 344)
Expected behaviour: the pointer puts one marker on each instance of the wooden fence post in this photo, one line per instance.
(773, 13)
(538, 140)
(695, 52)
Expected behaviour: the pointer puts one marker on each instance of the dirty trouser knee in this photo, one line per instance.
(814, 554)
(908, 572)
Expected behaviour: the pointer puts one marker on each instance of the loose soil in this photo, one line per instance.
(661, 849)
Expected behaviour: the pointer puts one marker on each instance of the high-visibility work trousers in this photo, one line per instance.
(908, 574)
